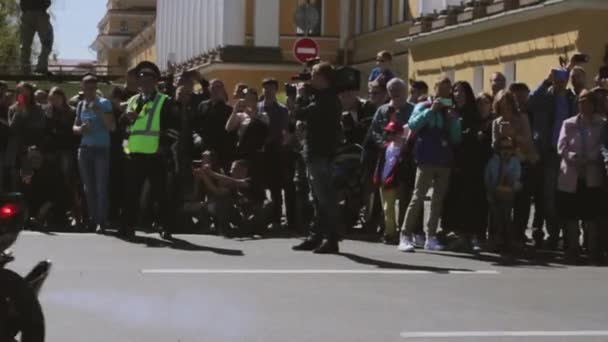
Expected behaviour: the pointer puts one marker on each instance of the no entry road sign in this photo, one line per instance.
(305, 49)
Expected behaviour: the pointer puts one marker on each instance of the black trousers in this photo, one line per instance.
(276, 172)
(153, 167)
(523, 201)
(290, 188)
(117, 184)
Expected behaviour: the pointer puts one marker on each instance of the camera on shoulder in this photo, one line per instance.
(344, 78)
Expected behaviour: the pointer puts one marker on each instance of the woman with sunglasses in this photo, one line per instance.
(466, 208)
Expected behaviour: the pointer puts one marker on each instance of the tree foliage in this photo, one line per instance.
(9, 32)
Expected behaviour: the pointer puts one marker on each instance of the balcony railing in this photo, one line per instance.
(63, 73)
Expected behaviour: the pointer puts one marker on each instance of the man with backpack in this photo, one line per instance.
(94, 122)
(436, 126)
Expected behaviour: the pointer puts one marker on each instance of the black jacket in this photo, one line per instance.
(211, 126)
(355, 132)
(322, 117)
(35, 5)
(4, 128)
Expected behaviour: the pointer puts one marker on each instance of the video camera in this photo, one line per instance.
(346, 78)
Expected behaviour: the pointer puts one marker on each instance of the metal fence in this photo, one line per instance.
(63, 73)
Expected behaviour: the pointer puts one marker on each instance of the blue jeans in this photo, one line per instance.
(320, 173)
(94, 164)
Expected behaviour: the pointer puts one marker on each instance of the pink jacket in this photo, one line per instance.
(570, 148)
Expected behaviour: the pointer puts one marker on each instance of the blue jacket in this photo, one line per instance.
(541, 108)
(436, 135)
(493, 172)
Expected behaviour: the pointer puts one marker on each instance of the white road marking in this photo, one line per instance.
(34, 233)
(305, 271)
(467, 334)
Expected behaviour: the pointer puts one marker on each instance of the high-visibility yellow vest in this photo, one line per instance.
(144, 134)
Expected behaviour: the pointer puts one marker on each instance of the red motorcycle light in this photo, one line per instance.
(8, 211)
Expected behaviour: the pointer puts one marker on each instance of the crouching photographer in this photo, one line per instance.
(319, 107)
(232, 201)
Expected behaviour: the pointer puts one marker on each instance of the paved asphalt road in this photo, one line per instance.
(204, 288)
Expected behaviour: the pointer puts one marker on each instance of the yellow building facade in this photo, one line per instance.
(257, 61)
(523, 40)
(142, 47)
(374, 26)
(123, 20)
(349, 32)
(523, 44)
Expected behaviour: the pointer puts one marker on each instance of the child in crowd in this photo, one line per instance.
(387, 178)
(383, 70)
(502, 178)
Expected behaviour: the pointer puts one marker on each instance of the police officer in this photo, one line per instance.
(150, 131)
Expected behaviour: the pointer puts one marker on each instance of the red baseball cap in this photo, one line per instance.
(394, 127)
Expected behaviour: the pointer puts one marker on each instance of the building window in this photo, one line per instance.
(144, 24)
(388, 11)
(478, 78)
(451, 74)
(510, 72)
(315, 13)
(358, 16)
(429, 6)
(371, 21)
(403, 10)
(124, 26)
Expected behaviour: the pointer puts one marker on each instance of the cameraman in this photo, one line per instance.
(321, 112)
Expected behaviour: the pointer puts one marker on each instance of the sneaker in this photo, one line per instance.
(390, 240)
(432, 244)
(419, 240)
(310, 244)
(328, 247)
(100, 230)
(165, 235)
(475, 245)
(406, 245)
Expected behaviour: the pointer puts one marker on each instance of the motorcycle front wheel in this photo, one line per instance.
(20, 310)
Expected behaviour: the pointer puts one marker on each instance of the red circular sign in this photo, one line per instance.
(305, 49)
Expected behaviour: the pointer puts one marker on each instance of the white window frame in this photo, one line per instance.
(478, 79)
(510, 71)
(371, 15)
(358, 16)
(387, 10)
(299, 32)
(402, 8)
(451, 74)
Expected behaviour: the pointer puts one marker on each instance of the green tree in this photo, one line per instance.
(9, 32)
